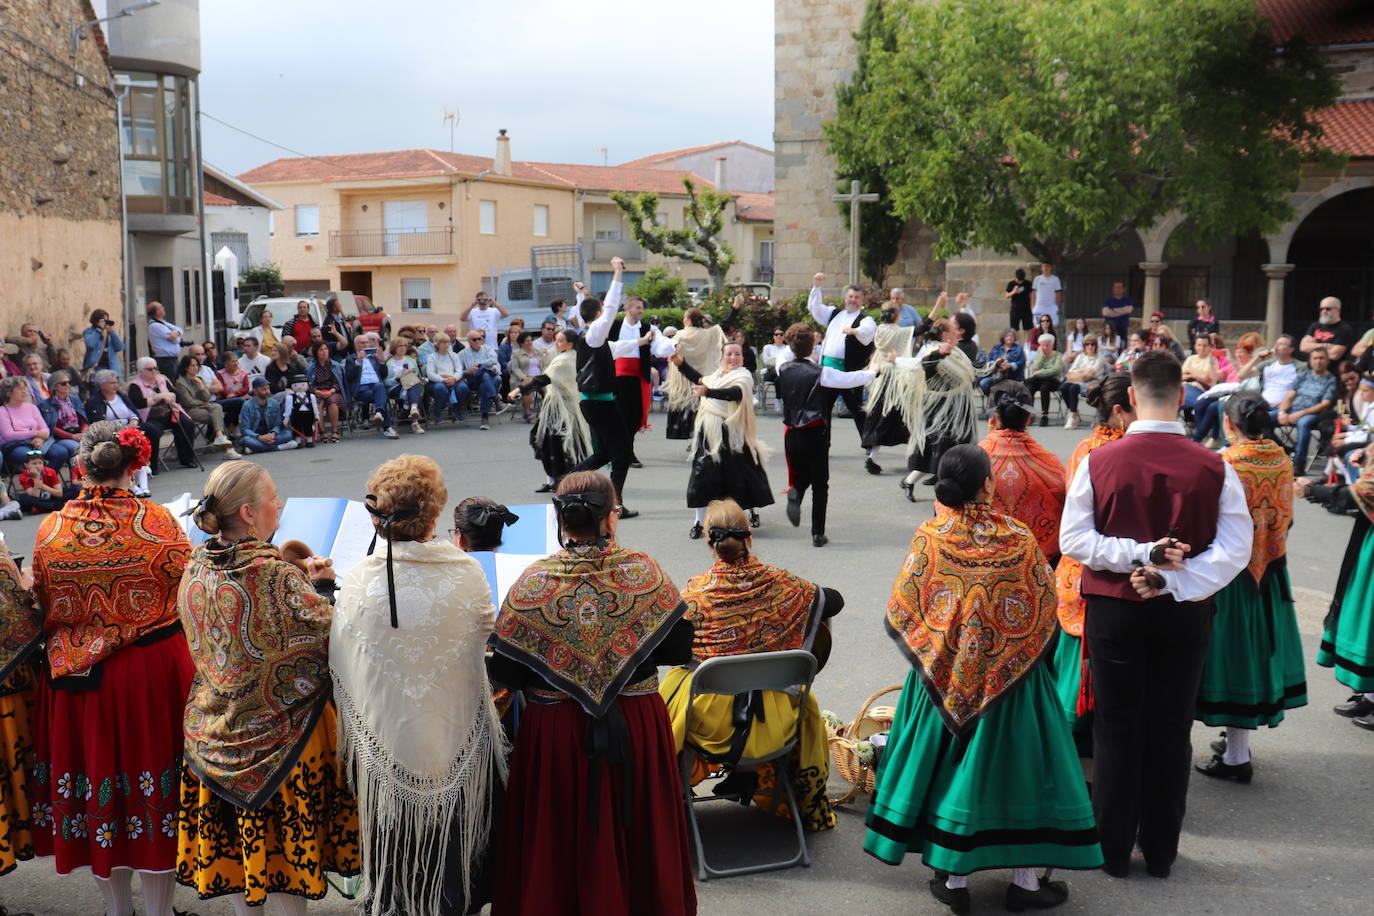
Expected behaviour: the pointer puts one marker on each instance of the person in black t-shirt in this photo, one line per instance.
(1328, 331)
(1018, 292)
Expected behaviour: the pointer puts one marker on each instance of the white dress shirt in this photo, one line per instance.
(1201, 576)
(627, 347)
(833, 345)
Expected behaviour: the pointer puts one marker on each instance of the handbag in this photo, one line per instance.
(409, 379)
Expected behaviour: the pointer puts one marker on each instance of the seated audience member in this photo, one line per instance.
(1200, 371)
(33, 342)
(525, 364)
(481, 373)
(63, 412)
(109, 404)
(209, 357)
(62, 368)
(1089, 368)
(1045, 374)
(403, 375)
(1166, 333)
(1328, 331)
(545, 339)
(1133, 351)
(22, 427)
(285, 363)
(261, 424)
(233, 383)
(251, 360)
(1073, 341)
(509, 344)
(40, 488)
(447, 390)
(200, 406)
(301, 324)
(264, 333)
(1044, 325)
(1226, 371)
(1205, 323)
(37, 378)
(325, 377)
(1152, 328)
(1008, 361)
(156, 402)
(1109, 342)
(1314, 392)
(365, 376)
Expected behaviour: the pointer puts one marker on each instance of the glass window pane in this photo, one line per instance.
(415, 295)
(307, 219)
(142, 178)
(486, 217)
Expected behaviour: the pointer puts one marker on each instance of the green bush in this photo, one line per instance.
(660, 290)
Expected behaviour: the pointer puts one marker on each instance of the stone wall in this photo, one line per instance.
(1355, 67)
(61, 254)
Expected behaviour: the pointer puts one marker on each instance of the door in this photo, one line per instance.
(401, 218)
(358, 282)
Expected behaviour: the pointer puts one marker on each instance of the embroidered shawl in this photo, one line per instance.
(730, 423)
(1068, 575)
(1266, 472)
(559, 411)
(585, 619)
(747, 606)
(1030, 484)
(106, 567)
(701, 348)
(21, 626)
(418, 732)
(972, 609)
(258, 634)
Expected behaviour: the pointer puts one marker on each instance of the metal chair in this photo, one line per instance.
(742, 674)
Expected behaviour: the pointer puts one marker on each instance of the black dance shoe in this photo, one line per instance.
(909, 489)
(1045, 421)
(546, 488)
(696, 532)
(793, 507)
(1050, 894)
(636, 463)
(1354, 707)
(957, 899)
(1117, 869)
(1365, 721)
(627, 512)
(1156, 870)
(754, 520)
(819, 540)
(1240, 772)
(872, 467)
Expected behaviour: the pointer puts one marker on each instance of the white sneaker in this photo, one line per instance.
(231, 454)
(1071, 422)
(221, 441)
(484, 424)
(390, 433)
(415, 411)
(11, 511)
(377, 418)
(416, 428)
(288, 446)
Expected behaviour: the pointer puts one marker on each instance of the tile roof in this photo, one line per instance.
(216, 200)
(1323, 22)
(676, 153)
(406, 163)
(1349, 127)
(753, 206)
(618, 178)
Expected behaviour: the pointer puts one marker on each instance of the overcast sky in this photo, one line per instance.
(564, 78)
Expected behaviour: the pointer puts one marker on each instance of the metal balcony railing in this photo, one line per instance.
(605, 249)
(763, 273)
(390, 243)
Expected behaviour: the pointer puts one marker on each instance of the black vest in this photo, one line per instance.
(595, 368)
(799, 386)
(643, 350)
(856, 354)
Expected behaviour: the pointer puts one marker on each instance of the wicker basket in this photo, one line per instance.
(870, 721)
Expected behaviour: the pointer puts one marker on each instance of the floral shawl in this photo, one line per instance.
(21, 626)
(1068, 575)
(1030, 484)
(1266, 472)
(106, 567)
(259, 637)
(972, 610)
(584, 619)
(747, 606)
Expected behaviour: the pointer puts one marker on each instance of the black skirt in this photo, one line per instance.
(927, 460)
(549, 449)
(681, 422)
(884, 427)
(727, 475)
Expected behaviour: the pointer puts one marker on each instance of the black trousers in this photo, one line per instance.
(1046, 385)
(610, 441)
(167, 365)
(629, 401)
(1147, 659)
(853, 399)
(808, 466)
(183, 435)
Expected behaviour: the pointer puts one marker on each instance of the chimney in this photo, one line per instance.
(501, 165)
(720, 174)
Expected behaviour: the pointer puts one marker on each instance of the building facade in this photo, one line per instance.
(237, 217)
(732, 165)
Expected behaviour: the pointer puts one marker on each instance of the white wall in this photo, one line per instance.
(252, 220)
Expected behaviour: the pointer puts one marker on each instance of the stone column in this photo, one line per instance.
(1273, 303)
(1153, 270)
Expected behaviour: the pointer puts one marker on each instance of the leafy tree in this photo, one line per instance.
(1065, 126)
(698, 241)
(659, 290)
(267, 272)
(880, 226)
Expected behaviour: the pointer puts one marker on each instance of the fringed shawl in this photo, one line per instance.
(21, 625)
(972, 610)
(420, 738)
(584, 619)
(701, 349)
(1266, 472)
(747, 606)
(1068, 575)
(559, 412)
(730, 423)
(1030, 484)
(886, 385)
(939, 405)
(258, 634)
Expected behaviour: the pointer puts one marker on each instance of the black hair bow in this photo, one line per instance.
(589, 501)
(715, 534)
(204, 503)
(386, 520)
(481, 515)
(1251, 406)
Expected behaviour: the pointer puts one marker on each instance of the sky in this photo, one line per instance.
(564, 78)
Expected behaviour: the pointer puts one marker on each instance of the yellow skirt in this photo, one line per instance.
(16, 759)
(309, 827)
(712, 730)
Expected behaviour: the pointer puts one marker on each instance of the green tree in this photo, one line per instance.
(698, 241)
(1065, 126)
(880, 225)
(659, 290)
(266, 272)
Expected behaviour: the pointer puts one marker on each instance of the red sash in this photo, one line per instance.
(628, 366)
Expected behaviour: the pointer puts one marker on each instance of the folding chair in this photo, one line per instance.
(743, 674)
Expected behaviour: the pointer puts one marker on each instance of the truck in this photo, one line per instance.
(527, 291)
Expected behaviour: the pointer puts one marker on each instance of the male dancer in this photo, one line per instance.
(848, 345)
(596, 382)
(802, 385)
(1160, 525)
(633, 346)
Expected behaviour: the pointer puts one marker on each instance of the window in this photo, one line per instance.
(486, 217)
(661, 219)
(541, 220)
(766, 253)
(156, 144)
(415, 295)
(307, 220)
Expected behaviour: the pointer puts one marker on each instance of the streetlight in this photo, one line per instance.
(126, 11)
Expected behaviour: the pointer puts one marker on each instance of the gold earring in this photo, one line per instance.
(253, 532)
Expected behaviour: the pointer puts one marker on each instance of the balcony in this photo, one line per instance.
(763, 273)
(602, 250)
(400, 246)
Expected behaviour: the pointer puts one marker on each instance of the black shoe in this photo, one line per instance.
(1354, 707)
(696, 532)
(1044, 419)
(909, 489)
(1159, 871)
(627, 512)
(1050, 894)
(546, 488)
(1365, 721)
(819, 540)
(956, 899)
(309, 443)
(754, 520)
(1117, 869)
(872, 467)
(793, 507)
(635, 463)
(1240, 772)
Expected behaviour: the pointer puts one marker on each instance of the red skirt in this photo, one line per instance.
(107, 781)
(557, 856)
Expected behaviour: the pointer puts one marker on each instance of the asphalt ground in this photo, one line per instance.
(1296, 840)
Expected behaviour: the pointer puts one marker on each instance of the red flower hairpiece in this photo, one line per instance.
(134, 439)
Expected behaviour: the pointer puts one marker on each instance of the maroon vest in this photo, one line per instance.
(1144, 486)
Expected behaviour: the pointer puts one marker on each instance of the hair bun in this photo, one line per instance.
(107, 455)
(949, 493)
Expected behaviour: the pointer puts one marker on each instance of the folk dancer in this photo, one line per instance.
(883, 424)
(938, 397)
(700, 347)
(560, 435)
(847, 346)
(634, 345)
(21, 638)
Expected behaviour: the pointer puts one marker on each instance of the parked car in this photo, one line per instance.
(283, 309)
(372, 318)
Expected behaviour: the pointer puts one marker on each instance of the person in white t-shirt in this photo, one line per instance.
(1047, 294)
(483, 315)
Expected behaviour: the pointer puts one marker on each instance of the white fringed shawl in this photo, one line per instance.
(939, 407)
(418, 734)
(559, 412)
(701, 349)
(721, 422)
(889, 338)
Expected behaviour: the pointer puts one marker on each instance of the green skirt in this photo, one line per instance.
(1068, 677)
(1014, 798)
(1254, 668)
(1348, 643)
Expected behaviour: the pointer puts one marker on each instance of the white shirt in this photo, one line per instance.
(540, 344)
(159, 339)
(1044, 301)
(484, 320)
(1277, 380)
(598, 330)
(1201, 576)
(207, 375)
(627, 347)
(833, 345)
(255, 366)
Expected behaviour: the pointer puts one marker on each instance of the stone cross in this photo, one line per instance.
(855, 199)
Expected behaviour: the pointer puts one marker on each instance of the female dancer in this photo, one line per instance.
(560, 435)
(940, 399)
(700, 347)
(884, 422)
(1030, 479)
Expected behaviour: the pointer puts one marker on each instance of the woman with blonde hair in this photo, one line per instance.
(737, 607)
(421, 740)
(264, 809)
(700, 347)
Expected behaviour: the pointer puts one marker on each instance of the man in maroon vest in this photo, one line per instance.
(1160, 525)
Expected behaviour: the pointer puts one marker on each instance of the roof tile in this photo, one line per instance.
(1349, 127)
(217, 200)
(753, 206)
(1323, 22)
